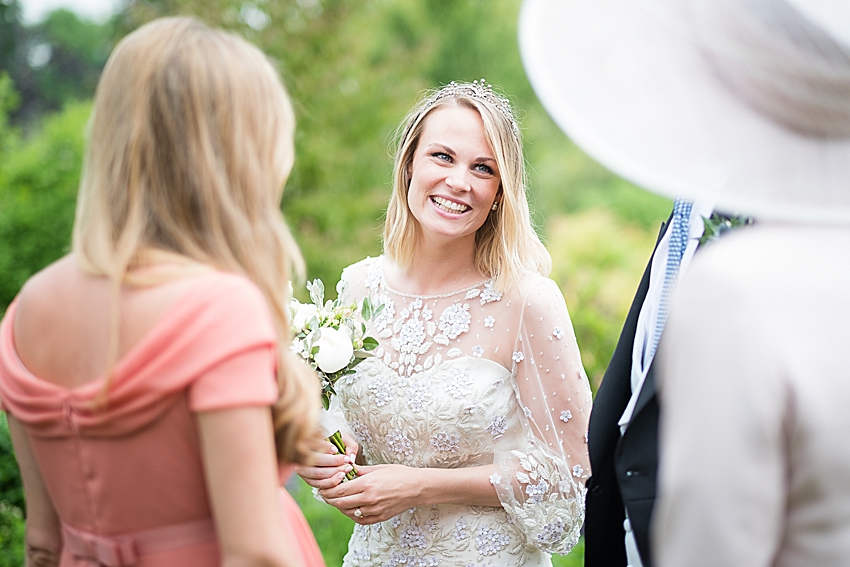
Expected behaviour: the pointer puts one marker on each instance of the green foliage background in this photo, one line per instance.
(353, 68)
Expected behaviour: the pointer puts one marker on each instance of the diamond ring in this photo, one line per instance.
(358, 513)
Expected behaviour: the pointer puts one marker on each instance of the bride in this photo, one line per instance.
(471, 418)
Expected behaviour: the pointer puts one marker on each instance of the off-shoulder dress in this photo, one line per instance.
(126, 477)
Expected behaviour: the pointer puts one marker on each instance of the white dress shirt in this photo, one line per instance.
(647, 319)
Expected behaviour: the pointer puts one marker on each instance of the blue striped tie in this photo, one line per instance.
(678, 242)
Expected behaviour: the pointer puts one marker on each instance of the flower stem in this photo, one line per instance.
(336, 441)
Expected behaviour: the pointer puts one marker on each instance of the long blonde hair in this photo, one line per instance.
(189, 146)
(506, 245)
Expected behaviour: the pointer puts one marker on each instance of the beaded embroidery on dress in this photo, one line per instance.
(463, 379)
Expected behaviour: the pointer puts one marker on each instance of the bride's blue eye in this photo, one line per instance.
(484, 168)
(442, 156)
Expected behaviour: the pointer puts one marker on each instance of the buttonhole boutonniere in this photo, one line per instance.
(719, 223)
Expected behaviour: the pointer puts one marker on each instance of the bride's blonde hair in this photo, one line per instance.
(189, 146)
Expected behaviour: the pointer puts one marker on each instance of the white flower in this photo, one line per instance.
(490, 540)
(578, 470)
(413, 536)
(302, 316)
(552, 533)
(558, 332)
(536, 492)
(495, 478)
(566, 415)
(497, 426)
(335, 350)
(518, 357)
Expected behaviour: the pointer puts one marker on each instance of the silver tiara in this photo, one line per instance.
(481, 90)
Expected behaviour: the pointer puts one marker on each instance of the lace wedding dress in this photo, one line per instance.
(472, 378)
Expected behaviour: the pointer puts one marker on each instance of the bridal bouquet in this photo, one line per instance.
(333, 342)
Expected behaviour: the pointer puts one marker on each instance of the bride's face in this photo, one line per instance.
(454, 177)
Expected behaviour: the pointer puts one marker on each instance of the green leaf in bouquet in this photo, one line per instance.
(341, 287)
(314, 351)
(377, 310)
(370, 343)
(326, 401)
(317, 292)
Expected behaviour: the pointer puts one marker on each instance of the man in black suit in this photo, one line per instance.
(623, 431)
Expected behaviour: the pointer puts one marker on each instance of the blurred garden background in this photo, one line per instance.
(353, 68)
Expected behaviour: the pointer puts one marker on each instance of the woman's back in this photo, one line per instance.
(132, 461)
(62, 328)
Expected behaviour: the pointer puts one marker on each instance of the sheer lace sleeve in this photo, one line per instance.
(543, 466)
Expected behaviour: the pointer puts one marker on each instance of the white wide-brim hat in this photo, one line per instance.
(629, 82)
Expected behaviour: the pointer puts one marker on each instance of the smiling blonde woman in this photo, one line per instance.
(470, 422)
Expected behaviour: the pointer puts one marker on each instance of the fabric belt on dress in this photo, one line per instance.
(124, 550)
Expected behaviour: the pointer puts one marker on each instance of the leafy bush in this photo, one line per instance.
(598, 260)
(11, 503)
(38, 189)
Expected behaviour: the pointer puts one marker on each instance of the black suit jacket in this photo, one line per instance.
(623, 467)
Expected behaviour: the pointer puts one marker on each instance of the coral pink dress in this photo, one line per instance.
(127, 480)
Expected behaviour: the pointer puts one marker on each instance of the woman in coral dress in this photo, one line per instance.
(145, 377)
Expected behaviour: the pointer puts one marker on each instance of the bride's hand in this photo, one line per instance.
(329, 467)
(379, 492)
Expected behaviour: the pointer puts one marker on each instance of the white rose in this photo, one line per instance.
(306, 311)
(335, 350)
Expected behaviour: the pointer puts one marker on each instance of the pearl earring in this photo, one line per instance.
(494, 207)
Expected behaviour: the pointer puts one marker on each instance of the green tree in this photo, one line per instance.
(38, 188)
(78, 50)
(10, 33)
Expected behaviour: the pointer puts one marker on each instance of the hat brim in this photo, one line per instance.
(625, 80)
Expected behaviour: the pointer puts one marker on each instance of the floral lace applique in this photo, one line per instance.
(418, 394)
(461, 532)
(360, 430)
(490, 540)
(382, 389)
(459, 383)
(398, 443)
(489, 293)
(497, 426)
(445, 442)
(453, 321)
(413, 536)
